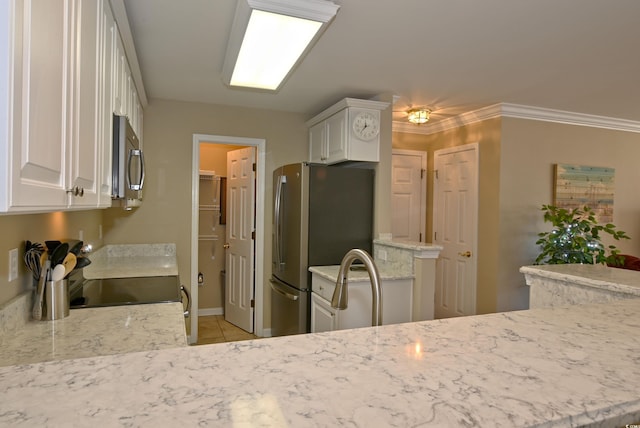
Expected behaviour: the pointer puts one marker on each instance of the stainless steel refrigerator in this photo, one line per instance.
(319, 214)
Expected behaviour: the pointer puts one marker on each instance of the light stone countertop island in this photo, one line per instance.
(562, 366)
(564, 284)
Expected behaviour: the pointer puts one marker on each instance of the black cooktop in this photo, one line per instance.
(90, 293)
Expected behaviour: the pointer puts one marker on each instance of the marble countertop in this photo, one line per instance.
(387, 271)
(132, 260)
(96, 331)
(597, 276)
(568, 366)
(409, 245)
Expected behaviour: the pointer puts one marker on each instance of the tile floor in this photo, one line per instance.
(214, 329)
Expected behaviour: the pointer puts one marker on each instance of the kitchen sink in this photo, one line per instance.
(92, 293)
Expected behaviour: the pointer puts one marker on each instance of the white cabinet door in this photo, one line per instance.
(336, 135)
(42, 81)
(126, 101)
(317, 143)
(328, 140)
(84, 170)
(120, 79)
(109, 38)
(323, 316)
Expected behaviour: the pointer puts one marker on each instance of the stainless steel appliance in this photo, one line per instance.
(128, 164)
(320, 213)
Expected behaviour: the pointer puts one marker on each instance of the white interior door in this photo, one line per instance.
(240, 249)
(408, 195)
(455, 229)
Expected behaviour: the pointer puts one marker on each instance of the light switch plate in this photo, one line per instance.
(13, 264)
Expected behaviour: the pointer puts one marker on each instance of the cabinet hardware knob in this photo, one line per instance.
(225, 246)
(76, 191)
(465, 254)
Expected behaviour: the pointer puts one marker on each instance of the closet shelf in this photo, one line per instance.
(208, 238)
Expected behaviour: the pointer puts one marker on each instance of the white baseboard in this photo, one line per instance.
(207, 312)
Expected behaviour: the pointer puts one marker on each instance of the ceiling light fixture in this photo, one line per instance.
(270, 37)
(419, 116)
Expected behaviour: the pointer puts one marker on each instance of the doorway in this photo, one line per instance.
(456, 230)
(226, 143)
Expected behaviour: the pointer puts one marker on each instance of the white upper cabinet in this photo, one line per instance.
(328, 141)
(86, 119)
(63, 73)
(109, 38)
(39, 93)
(347, 131)
(126, 100)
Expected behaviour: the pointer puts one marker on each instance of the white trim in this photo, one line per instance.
(260, 145)
(520, 112)
(343, 104)
(210, 312)
(423, 186)
(315, 10)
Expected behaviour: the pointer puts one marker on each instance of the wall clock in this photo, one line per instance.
(366, 126)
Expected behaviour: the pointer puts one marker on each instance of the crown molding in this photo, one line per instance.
(520, 112)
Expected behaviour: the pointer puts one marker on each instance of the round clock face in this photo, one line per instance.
(366, 126)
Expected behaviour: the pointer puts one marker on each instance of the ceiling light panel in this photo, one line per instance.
(269, 37)
(272, 45)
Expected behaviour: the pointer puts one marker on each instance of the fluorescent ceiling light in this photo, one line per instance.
(269, 37)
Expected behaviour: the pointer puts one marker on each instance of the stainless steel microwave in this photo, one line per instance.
(128, 164)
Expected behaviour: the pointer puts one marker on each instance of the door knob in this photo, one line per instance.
(465, 254)
(225, 246)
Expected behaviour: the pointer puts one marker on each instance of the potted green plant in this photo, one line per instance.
(576, 238)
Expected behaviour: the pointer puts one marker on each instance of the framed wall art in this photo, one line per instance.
(577, 186)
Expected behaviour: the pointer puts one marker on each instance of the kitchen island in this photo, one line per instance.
(560, 366)
(564, 284)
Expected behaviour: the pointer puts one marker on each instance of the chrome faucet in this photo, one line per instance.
(340, 294)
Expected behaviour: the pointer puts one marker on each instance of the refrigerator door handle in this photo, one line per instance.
(278, 221)
(274, 287)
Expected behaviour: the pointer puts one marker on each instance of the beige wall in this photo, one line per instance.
(165, 215)
(487, 135)
(529, 151)
(16, 229)
(516, 177)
